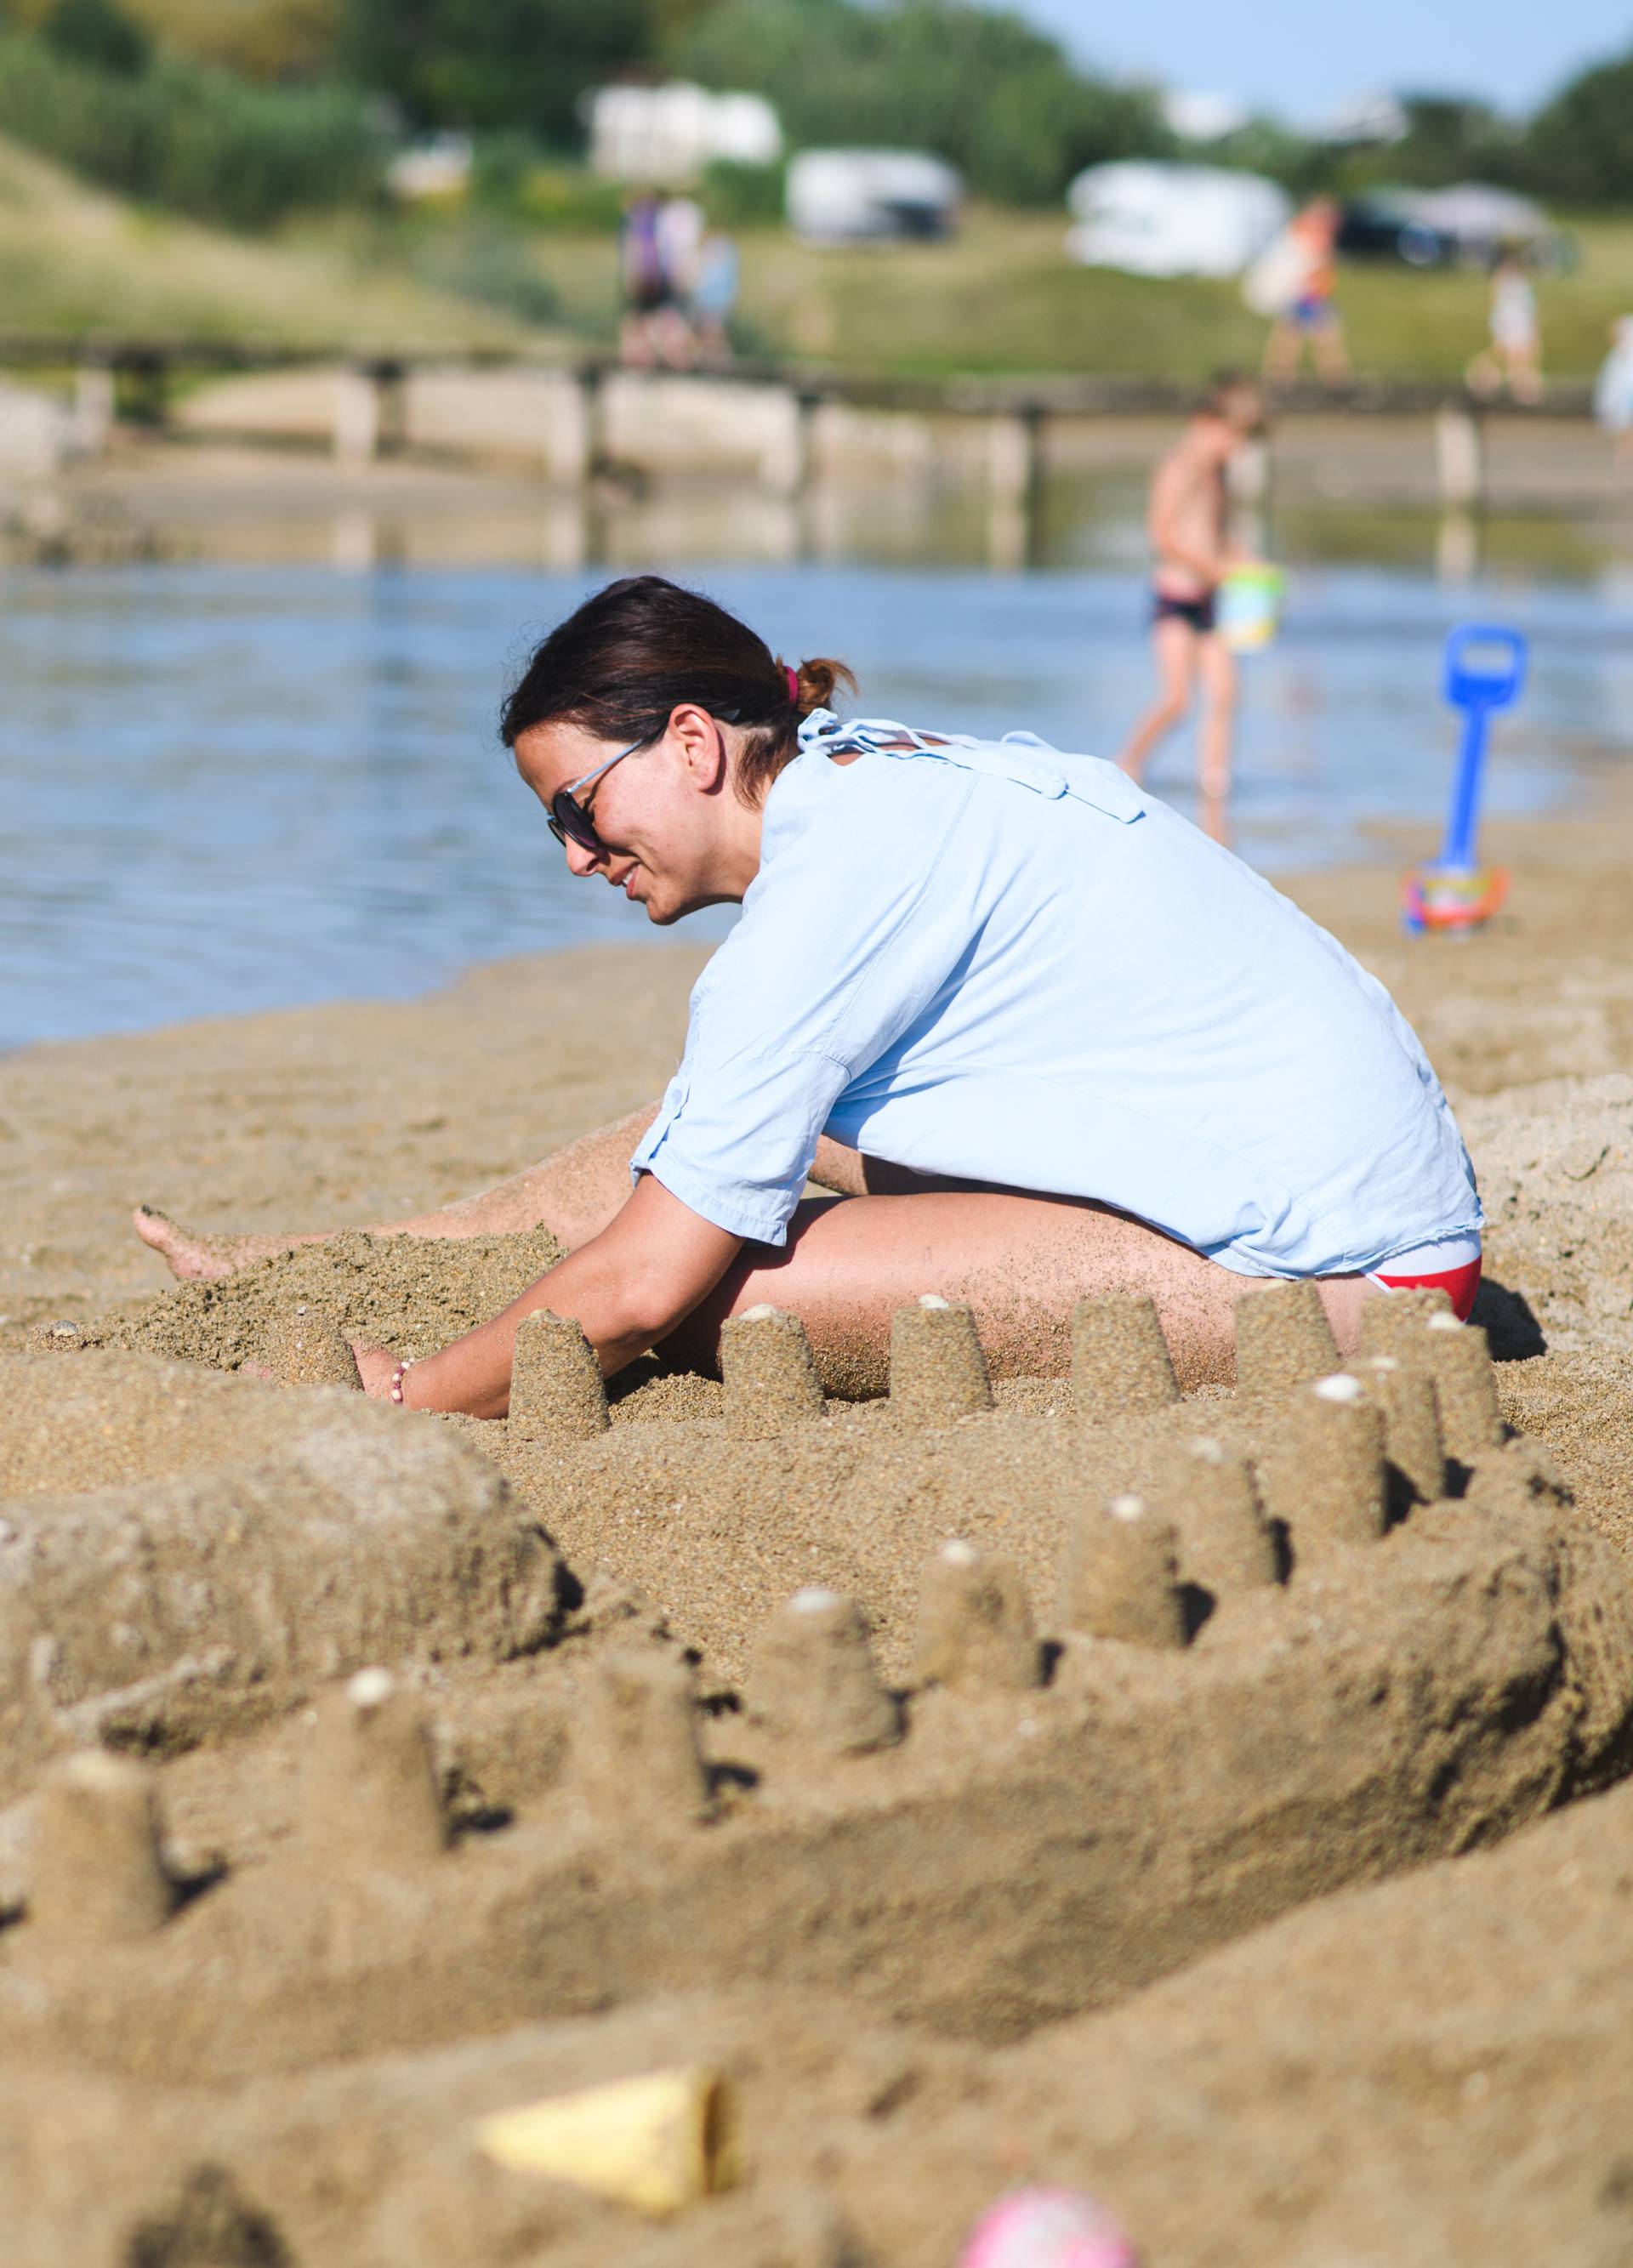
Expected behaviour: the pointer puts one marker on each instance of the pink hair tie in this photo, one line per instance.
(793, 676)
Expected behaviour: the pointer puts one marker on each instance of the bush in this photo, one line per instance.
(984, 89)
(737, 195)
(493, 63)
(100, 34)
(517, 176)
(481, 258)
(1580, 147)
(198, 140)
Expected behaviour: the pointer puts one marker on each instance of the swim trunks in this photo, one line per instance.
(1411, 1271)
(1197, 613)
(1313, 312)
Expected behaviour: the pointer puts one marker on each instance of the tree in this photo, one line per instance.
(493, 63)
(978, 86)
(1580, 146)
(99, 35)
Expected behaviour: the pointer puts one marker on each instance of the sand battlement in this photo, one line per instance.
(976, 1708)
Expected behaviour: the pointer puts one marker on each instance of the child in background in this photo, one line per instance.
(1514, 357)
(1309, 317)
(714, 296)
(1612, 388)
(1189, 528)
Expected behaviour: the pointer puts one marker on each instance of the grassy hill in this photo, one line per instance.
(73, 259)
(1001, 297)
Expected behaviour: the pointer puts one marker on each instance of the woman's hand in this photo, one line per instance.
(629, 1287)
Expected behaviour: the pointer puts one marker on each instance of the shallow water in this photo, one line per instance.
(229, 788)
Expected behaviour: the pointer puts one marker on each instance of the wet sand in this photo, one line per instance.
(992, 1935)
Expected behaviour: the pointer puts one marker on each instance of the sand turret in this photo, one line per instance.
(812, 1678)
(769, 1374)
(975, 1623)
(372, 1800)
(1391, 1325)
(1120, 1364)
(635, 1738)
(1119, 1576)
(1460, 1355)
(556, 1385)
(938, 1372)
(100, 1877)
(1283, 1338)
(1225, 1543)
(1324, 1477)
(1412, 1443)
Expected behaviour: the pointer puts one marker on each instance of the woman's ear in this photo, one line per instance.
(702, 745)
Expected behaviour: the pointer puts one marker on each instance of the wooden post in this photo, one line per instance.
(786, 459)
(94, 406)
(368, 411)
(145, 370)
(357, 415)
(1014, 454)
(569, 423)
(1461, 456)
(1014, 485)
(1247, 479)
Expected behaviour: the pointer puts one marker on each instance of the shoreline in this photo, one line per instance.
(1395, 843)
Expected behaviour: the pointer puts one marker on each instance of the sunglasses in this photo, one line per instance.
(569, 821)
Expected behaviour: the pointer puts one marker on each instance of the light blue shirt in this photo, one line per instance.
(991, 959)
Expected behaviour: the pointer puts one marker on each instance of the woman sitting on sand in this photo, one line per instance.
(1041, 1036)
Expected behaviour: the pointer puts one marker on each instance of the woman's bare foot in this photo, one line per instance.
(195, 1259)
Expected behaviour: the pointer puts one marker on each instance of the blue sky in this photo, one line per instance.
(1298, 58)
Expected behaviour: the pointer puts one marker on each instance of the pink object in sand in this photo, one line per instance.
(1047, 2228)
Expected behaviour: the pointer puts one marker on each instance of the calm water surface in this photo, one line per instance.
(229, 788)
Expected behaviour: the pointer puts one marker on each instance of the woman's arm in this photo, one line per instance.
(629, 1287)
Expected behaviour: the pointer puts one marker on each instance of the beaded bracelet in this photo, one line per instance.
(397, 1377)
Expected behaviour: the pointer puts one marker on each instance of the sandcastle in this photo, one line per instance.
(406, 1733)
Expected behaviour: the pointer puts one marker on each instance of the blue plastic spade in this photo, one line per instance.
(1485, 671)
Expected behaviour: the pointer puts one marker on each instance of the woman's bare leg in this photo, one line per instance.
(573, 1194)
(1022, 1262)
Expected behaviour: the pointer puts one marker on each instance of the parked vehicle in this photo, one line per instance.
(1467, 225)
(851, 197)
(1172, 220)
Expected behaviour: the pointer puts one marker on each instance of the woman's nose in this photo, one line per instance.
(581, 861)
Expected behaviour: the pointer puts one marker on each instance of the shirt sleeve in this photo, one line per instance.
(844, 944)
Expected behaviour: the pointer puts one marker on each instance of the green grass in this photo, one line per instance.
(73, 259)
(1002, 297)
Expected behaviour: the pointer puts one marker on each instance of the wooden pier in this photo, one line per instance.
(571, 421)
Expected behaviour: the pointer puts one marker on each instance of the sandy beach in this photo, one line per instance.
(1293, 1926)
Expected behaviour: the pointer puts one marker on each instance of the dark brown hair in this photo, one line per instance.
(622, 664)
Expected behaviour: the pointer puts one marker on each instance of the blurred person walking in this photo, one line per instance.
(1612, 388)
(1189, 526)
(640, 274)
(714, 296)
(1514, 357)
(679, 231)
(1304, 264)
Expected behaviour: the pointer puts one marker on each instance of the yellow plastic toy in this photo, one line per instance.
(656, 2143)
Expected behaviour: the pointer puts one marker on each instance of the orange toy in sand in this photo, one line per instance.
(1485, 671)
